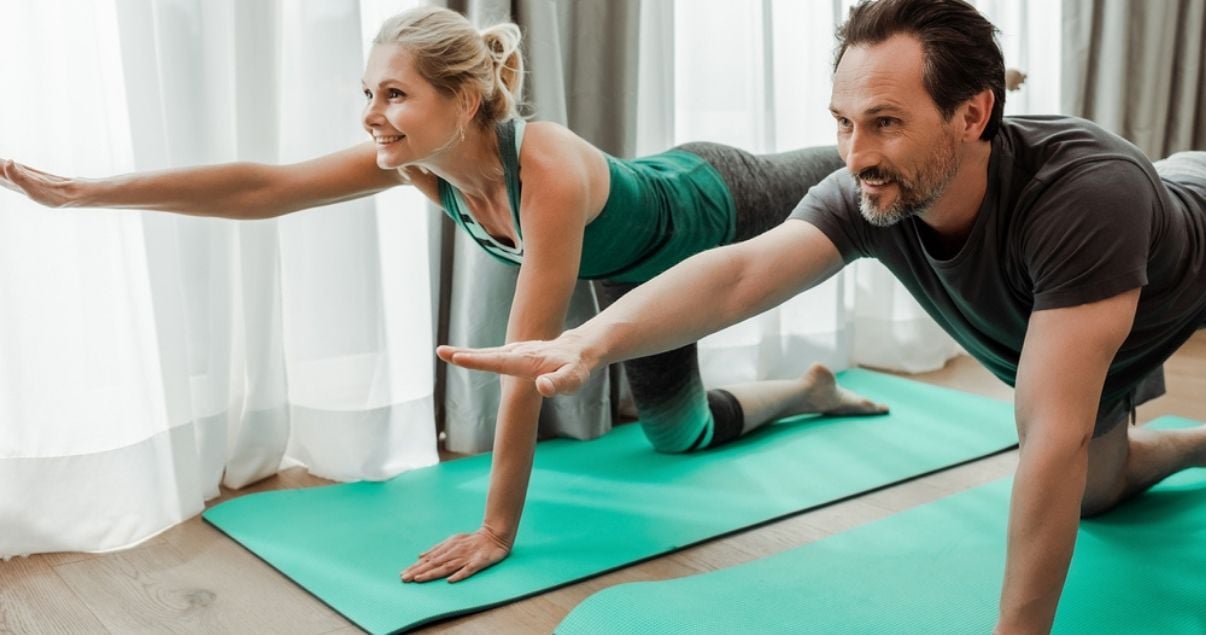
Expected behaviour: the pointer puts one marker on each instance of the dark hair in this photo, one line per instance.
(962, 56)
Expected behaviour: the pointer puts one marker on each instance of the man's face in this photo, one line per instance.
(894, 140)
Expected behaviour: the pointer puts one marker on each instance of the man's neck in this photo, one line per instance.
(951, 218)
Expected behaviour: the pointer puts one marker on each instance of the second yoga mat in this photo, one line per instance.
(599, 505)
(937, 569)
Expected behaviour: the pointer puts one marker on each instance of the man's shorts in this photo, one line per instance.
(1118, 411)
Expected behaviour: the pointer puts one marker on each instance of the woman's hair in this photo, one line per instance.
(454, 56)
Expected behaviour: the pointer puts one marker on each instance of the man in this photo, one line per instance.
(1052, 250)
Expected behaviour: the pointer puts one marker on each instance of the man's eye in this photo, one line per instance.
(886, 122)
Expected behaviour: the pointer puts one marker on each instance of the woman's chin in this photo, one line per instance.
(388, 162)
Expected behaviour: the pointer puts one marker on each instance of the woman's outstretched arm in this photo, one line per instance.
(242, 191)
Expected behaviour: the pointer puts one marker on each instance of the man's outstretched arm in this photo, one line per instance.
(700, 295)
(1060, 377)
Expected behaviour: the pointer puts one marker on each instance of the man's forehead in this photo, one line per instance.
(879, 77)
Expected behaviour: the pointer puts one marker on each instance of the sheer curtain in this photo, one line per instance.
(145, 358)
(757, 75)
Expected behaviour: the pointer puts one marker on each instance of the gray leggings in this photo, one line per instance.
(677, 414)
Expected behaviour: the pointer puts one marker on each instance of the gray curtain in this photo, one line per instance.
(581, 59)
(1137, 68)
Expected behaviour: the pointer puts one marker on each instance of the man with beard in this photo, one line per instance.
(1056, 253)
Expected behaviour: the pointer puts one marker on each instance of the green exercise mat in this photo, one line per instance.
(938, 569)
(599, 505)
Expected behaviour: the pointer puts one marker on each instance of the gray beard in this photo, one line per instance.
(900, 210)
(945, 168)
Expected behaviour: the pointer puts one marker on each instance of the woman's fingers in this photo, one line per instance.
(10, 173)
(473, 566)
(458, 557)
(436, 571)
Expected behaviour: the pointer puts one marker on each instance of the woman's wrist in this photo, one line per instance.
(499, 534)
(83, 193)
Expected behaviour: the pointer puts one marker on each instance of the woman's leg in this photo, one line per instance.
(765, 190)
(678, 415)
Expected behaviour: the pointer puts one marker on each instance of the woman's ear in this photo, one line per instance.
(470, 102)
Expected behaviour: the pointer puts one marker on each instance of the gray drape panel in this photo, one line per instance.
(1137, 68)
(581, 59)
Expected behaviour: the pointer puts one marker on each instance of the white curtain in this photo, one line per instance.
(146, 357)
(757, 75)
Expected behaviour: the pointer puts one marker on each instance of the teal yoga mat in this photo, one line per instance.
(937, 569)
(599, 505)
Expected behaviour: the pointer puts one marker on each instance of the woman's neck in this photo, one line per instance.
(471, 165)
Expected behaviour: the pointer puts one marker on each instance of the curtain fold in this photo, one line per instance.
(581, 58)
(1138, 69)
(147, 358)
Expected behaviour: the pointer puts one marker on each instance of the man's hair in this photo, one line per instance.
(961, 53)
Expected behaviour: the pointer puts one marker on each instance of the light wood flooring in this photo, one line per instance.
(191, 579)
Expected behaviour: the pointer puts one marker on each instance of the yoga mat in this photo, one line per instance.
(937, 569)
(599, 505)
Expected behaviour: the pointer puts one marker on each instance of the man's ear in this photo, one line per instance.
(975, 113)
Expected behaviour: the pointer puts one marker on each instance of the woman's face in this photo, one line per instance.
(409, 119)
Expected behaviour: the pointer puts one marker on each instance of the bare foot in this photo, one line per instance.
(827, 397)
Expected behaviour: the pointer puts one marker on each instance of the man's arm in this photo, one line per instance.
(701, 295)
(1060, 377)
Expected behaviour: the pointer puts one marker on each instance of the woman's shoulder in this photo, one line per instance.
(549, 145)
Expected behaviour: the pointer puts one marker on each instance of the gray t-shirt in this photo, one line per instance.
(1072, 215)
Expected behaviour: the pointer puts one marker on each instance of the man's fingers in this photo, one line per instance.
(564, 380)
(502, 362)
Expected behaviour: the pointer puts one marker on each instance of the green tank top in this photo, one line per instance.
(660, 210)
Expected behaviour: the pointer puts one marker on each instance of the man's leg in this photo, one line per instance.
(1127, 461)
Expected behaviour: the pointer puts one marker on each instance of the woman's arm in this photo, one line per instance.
(553, 214)
(241, 191)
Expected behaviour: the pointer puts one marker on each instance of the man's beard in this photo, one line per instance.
(914, 196)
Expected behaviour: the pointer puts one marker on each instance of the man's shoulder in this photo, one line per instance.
(1057, 142)
(1047, 151)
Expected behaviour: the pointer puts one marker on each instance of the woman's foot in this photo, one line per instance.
(823, 394)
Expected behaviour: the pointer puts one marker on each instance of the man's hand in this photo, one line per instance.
(459, 557)
(559, 366)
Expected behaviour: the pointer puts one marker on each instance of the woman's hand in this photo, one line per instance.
(40, 187)
(459, 557)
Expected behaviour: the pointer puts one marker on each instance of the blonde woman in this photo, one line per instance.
(442, 111)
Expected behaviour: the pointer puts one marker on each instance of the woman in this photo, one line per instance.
(442, 113)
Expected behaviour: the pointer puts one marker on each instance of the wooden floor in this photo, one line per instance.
(193, 579)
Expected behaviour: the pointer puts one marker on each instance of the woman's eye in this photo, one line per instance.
(368, 94)
(396, 94)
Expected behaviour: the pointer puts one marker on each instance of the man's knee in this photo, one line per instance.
(1097, 503)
